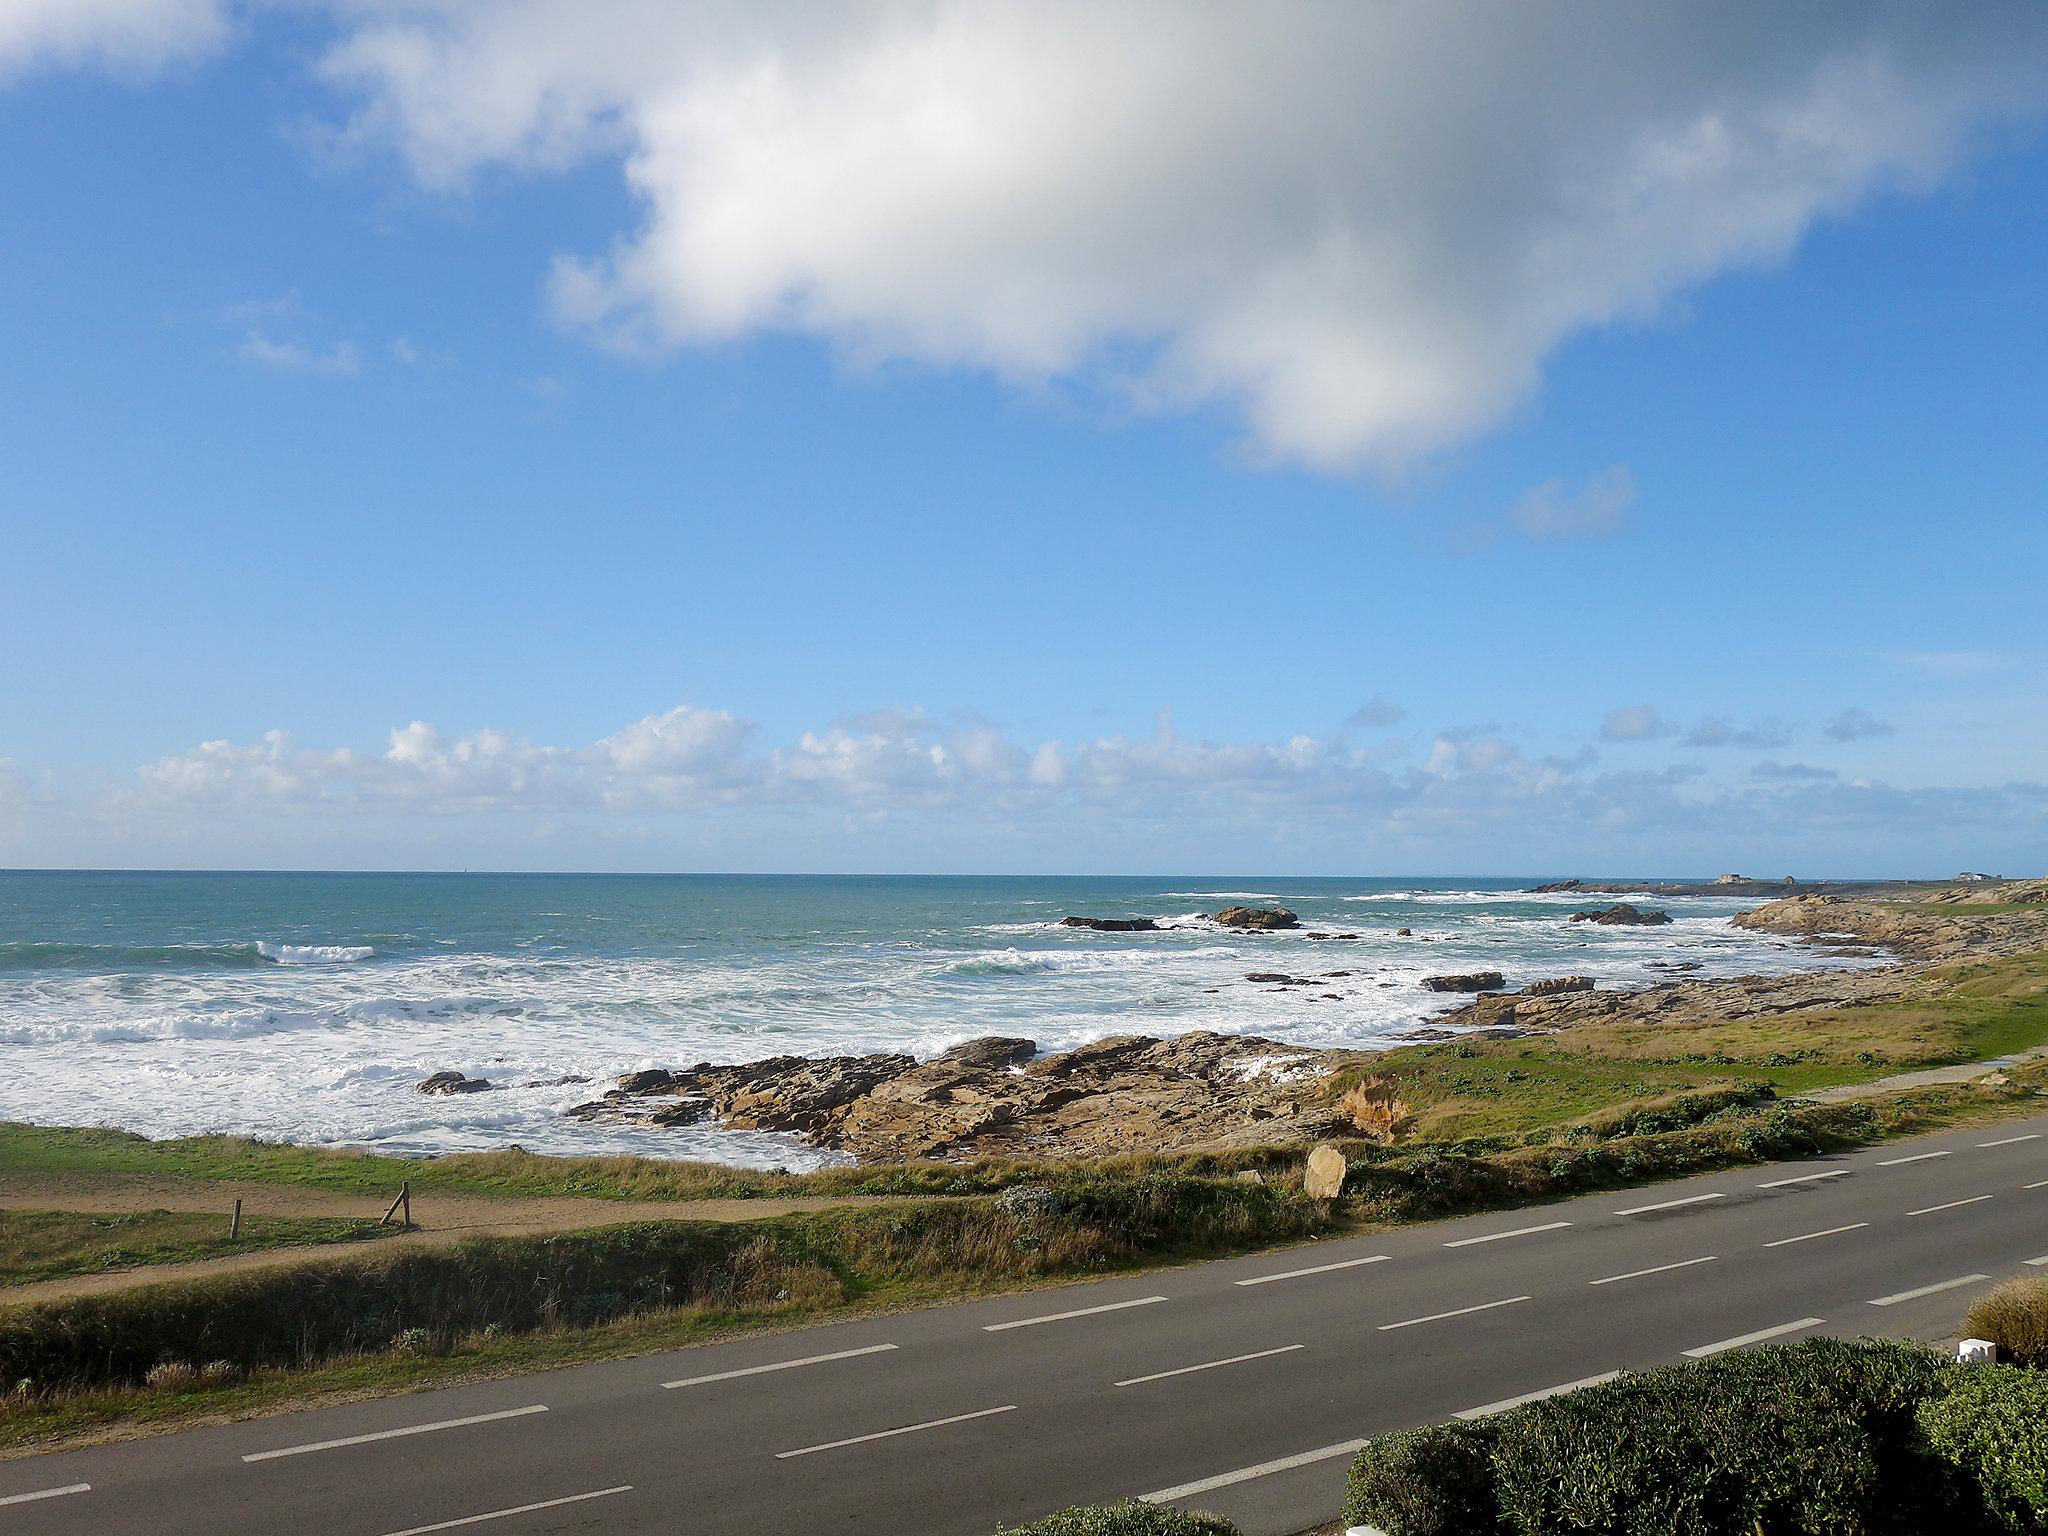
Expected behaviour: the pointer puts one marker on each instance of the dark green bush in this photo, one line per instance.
(1426, 1482)
(2015, 1318)
(1992, 1427)
(1130, 1518)
(1817, 1437)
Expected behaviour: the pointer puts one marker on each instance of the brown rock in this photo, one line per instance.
(1554, 984)
(1622, 915)
(1469, 981)
(1323, 1178)
(1112, 924)
(452, 1082)
(1257, 918)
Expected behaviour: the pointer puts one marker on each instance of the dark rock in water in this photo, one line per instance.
(1554, 984)
(1404, 933)
(453, 1082)
(1555, 887)
(1281, 977)
(682, 1112)
(1112, 924)
(1262, 918)
(653, 1080)
(1470, 981)
(1622, 915)
(1332, 935)
(992, 1051)
(1851, 952)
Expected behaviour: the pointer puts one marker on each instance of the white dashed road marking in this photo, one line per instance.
(1437, 1317)
(1758, 1337)
(1929, 1210)
(396, 1434)
(517, 1509)
(1824, 1232)
(1637, 1274)
(1210, 1365)
(1804, 1178)
(1494, 1237)
(906, 1429)
(45, 1493)
(1667, 1205)
(780, 1365)
(1313, 1269)
(1060, 1317)
(1534, 1397)
(2006, 1141)
(1928, 1290)
(1246, 1474)
(1917, 1157)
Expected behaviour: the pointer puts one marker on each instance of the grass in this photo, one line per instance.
(49, 1245)
(2015, 1318)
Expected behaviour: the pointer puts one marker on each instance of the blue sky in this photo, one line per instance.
(720, 505)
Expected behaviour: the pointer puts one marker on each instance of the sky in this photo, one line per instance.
(1036, 437)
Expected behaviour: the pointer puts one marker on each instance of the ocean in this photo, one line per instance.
(305, 1007)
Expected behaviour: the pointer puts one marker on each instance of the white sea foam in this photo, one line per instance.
(315, 954)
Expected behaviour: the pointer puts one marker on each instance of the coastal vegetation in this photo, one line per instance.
(2015, 1318)
(49, 1245)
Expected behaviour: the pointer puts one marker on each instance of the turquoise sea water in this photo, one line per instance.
(305, 1007)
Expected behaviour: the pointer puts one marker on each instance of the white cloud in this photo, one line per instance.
(287, 355)
(1364, 226)
(1599, 506)
(1715, 731)
(128, 35)
(1856, 725)
(1635, 722)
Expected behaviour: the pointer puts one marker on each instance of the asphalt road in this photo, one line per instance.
(1237, 1386)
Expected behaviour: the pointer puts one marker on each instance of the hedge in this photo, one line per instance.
(1992, 1427)
(1822, 1437)
(1130, 1518)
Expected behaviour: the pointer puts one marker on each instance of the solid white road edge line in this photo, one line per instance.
(1917, 1157)
(1210, 1365)
(1060, 1317)
(1246, 1474)
(1313, 1269)
(395, 1434)
(780, 1365)
(1437, 1317)
(1637, 1274)
(1929, 1210)
(1804, 1178)
(1667, 1205)
(45, 1493)
(2006, 1141)
(1758, 1337)
(1928, 1290)
(906, 1429)
(1534, 1397)
(517, 1509)
(1824, 1232)
(1494, 1237)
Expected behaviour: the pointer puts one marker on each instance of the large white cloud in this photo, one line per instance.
(1365, 226)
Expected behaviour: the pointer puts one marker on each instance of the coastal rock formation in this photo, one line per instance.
(452, 1082)
(1550, 986)
(994, 1096)
(1112, 924)
(1469, 981)
(1622, 915)
(1923, 931)
(1323, 1178)
(1261, 918)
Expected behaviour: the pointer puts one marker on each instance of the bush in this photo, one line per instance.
(2015, 1318)
(1992, 1428)
(1426, 1482)
(1815, 1437)
(1130, 1518)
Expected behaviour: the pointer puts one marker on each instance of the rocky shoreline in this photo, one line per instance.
(997, 1096)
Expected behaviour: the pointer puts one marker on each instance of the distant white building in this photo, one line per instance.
(1969, 877)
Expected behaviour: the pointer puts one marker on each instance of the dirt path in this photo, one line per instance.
(1929, 1078)
(440, 1219)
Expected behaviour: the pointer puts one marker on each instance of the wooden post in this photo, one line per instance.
(235, 1223)
(404, 1199)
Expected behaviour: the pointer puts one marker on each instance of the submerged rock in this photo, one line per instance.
(1112, 924)
(1622, 915)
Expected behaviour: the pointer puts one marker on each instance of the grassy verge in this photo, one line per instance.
(48, 1245)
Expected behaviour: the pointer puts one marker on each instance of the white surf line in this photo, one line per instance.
(1804, 1178)
(1928, 1290)
(906, 1429)
(1210, 1365)
(1824, 1232)
(45, 1493)
(517, 1509)
(1494, 1237)
(395, 1434)
(1537, 1396)
(1437, 1317)
(1637, 1274)
(1758, 1337)
(1246, 1474)
(1313, 1269)
(1917, 1157)
(1061, 1317)
(1668, 1205)
(1929, 1210)
(2007, 1141)
(780, 1365)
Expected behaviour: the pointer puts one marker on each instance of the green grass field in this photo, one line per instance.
(48, 1245)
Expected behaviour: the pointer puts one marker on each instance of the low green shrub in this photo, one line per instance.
(1992, 1428)
(1817, 1437)
(1130, 1518)
(2015, 1318)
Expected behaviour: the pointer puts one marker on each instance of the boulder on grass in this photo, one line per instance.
(1323, 1179)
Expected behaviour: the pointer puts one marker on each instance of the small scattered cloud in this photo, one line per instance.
(1599, 506)
(408, 353)
(1856, 725)
(1635, 722)
(341, 360)
(1791, 771)
(1714, 731)
(1373, 714)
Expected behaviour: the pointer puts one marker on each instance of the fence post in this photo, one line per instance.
(404, 1199)
(235, 1223)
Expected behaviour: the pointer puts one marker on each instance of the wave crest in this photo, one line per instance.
(315, 954)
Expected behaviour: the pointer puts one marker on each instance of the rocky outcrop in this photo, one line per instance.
(994, 1096)
(1112, 924)
(1926, 931)
(452, 1082)
(1469, 981)
(1550, 986)
(1622, 915)
(1258, 918)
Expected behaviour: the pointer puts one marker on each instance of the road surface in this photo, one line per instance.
(1237, 1386)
